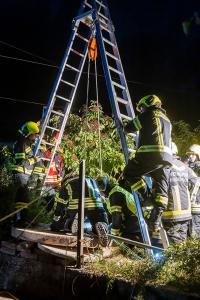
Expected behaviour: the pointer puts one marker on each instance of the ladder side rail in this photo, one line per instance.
(142, 222)
(113, 102)
(126, 94)
(69, 105)
(73, 92)
(111, 91)
(55, 87)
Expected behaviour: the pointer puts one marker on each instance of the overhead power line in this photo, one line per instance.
(99, 75)
(28, 61)
(22, 101)
(24, 51)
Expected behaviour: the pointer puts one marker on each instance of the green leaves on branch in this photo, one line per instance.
(85, 138)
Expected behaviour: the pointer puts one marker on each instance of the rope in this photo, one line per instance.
(86, 111)
(98, 120)
(25, 206)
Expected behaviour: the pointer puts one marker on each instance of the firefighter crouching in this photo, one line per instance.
(193, 156)
(153, 150)
(65, 216)
(23, 165)
(121, 208)
(175, 210)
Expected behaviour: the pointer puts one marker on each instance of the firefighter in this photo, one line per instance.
(121, 207)
(153, 150)
(23, 165)
(67, 208)
(175, 212)
(55, 174)
(192, 160)
(53, 179)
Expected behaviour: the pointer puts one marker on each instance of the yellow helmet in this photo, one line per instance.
(148, 101)
(29, 128)
(194, 149)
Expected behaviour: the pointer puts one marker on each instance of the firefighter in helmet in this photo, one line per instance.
(193, 161)
(153, 151)
(175, 211)
(192, 158)
(66, 211)
(121, 209)
(24, 162)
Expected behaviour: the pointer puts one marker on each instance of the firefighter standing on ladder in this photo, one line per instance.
(153, 151)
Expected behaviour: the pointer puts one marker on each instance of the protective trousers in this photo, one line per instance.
(138, 167)
(177, 232)
(195, 224)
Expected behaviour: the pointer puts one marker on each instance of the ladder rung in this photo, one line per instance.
(62, 98)
(87, 4)
(82, 37)
(115, 70)
(104, 17)
(126, 117)
(131, 134)
(53, 128)
(122, 100)
(50, 144)
(67, 82)
(70, 67)
(112, 56)
(119, 85)
(101, 4)
(87, 21)
(44, 158)
(105, 28)
(57, 113)
(131, 150)
(109, 42)
(76, 52)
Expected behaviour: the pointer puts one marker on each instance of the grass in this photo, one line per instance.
(179, 268)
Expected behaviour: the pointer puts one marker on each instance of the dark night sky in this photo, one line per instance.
(157, 57)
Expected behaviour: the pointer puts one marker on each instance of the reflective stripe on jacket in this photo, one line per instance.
(154, 134)
(178, 206)
(121, 201)
(24, 159)
(71, 193)
(195, 198)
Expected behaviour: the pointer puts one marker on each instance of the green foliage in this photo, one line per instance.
(184, 136)
(179, 268)
(5, 170)
(81, 141)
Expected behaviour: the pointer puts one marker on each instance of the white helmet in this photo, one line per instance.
(195, 149)
(174, 149)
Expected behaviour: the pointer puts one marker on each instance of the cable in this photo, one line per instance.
(99, 75)
(22, 101)
(24, 51)
(28, 61)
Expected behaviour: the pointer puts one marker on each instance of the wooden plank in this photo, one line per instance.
(71, 254)
(51, 238)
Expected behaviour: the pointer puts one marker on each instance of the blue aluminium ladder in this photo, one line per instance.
(93, 18)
